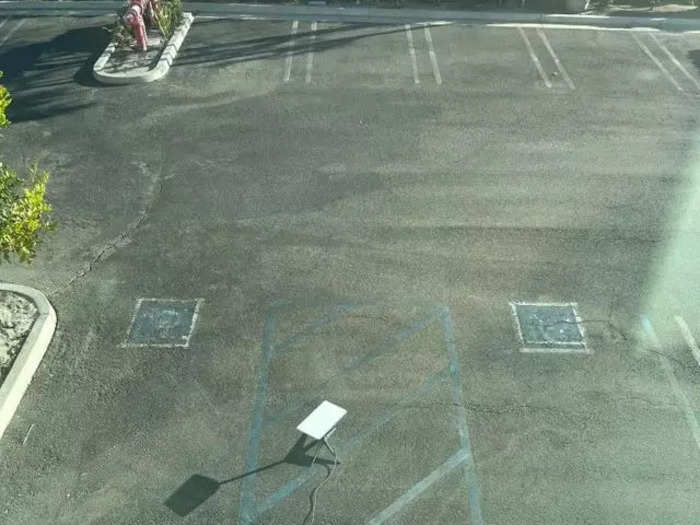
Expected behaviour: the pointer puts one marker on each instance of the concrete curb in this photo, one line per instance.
(159, 71)
(351, 14)
(31, 354)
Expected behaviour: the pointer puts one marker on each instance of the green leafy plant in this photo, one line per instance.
(168, 16)
(21, 216)
(5, 100)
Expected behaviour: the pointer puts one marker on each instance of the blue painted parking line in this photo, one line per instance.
(474, 492)
(247, 505)
(314, 327)
(250, 509)
(345, 450)
(392, 345)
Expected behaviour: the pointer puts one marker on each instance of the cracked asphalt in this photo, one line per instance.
(357, 226)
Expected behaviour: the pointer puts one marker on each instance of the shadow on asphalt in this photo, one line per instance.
(274, 46)
(39, 77)
(197, 489)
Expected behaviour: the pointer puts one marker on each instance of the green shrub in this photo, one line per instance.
(168, 17)
(21, 216)
(4, 102)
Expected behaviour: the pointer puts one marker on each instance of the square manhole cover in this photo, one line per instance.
(549, 327)
(163, 322)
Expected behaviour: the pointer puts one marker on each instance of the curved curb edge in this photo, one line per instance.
(165, 60)
(30, 355)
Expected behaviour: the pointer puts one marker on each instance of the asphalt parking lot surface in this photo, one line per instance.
(308, 211)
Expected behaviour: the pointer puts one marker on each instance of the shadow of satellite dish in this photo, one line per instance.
(198, 489)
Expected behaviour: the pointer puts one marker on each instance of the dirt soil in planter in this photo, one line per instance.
(17, 315)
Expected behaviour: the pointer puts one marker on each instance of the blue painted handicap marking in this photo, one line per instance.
(439, 318)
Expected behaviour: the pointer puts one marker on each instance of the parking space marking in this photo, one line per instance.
(559, 65)
(549, 347)
(417, 489)
(386, 349)
(11, 31)
(433, 58)
(290, 56)
(195, 314)
(680, 396)
(676, 62)
(310, 54)
(311, 329)
(534, 58)
(412, 53)
(247, 504)
(569, 26)
(3, 22)
(344, 450)
(657, 62)
(449, 376)
(689, 338)
(473, 490)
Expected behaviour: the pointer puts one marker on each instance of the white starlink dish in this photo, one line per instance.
(322, 420)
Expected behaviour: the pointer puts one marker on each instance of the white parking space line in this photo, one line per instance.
(680, 396)
(656, 61)
(534, 58)
(568, 26)
(9, 34)
(290, 56)
(412, 53)
(433, 58)
(676, 62)
(310, 54)
(560, 67)
(4, 22)
(689, 338)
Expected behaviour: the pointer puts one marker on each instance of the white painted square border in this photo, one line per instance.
(198, 302)
(551, 348)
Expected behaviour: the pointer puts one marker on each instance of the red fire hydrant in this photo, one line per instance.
(135, 20)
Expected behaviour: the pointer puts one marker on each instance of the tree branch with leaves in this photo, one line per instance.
(22, 215)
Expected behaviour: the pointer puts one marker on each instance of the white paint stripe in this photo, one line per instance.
(198, 303)
(555, 350)
(419, 488)
(680, 396)
(569, 26)
(26, 436)
(676, 62)
(689, 338)
(195, 315)
(560, 67)
(412, 53)
(290, 56)
(310, 56)
(9, 34)
(4, 22)
(433, 58)
(656, 61)
(534, 58)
